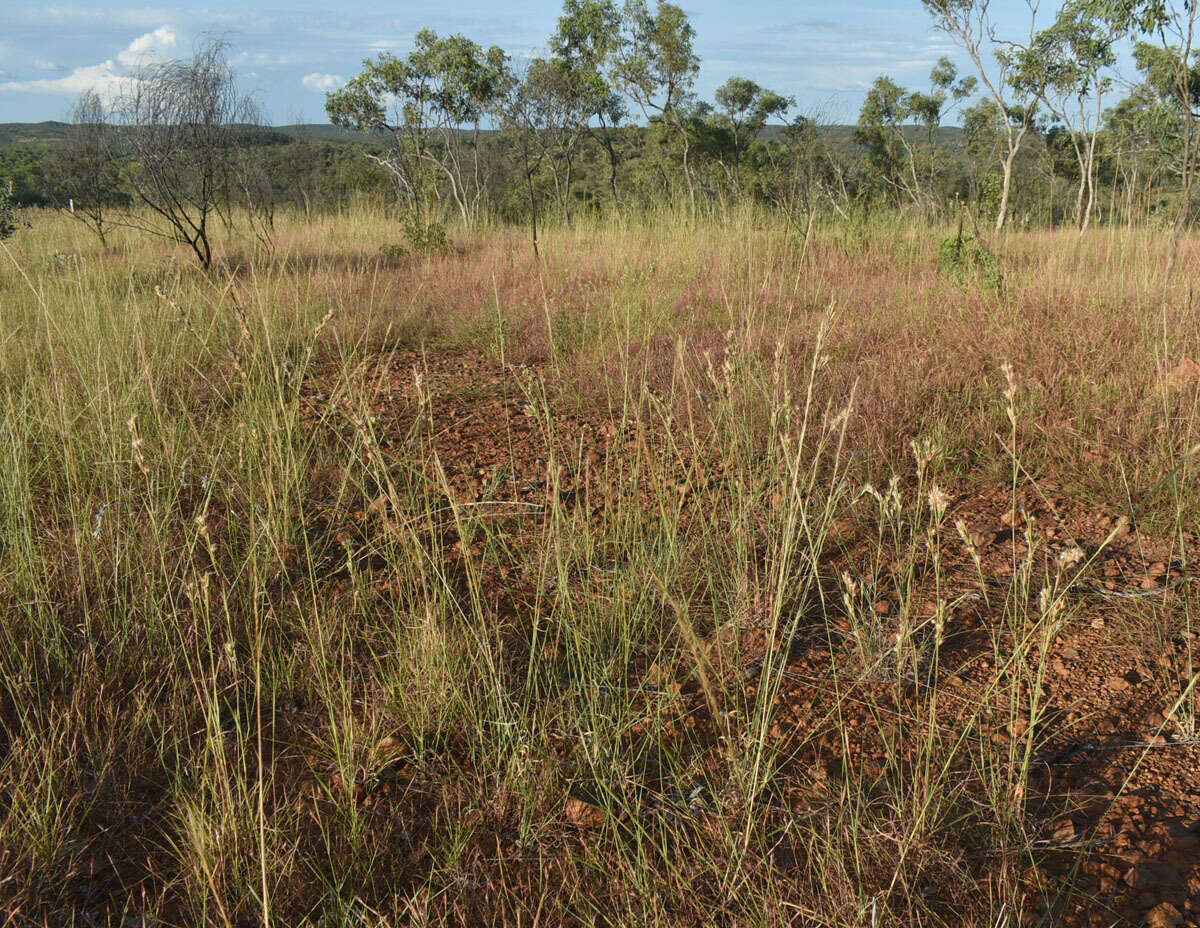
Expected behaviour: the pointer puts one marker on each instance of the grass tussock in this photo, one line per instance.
(692, 575)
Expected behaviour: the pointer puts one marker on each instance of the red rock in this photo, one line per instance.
(1064, 833)
(582, 814)
(1153, 876)
(1164, 915)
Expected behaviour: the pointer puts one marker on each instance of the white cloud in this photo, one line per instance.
(43, 64)
(322, 83)
(268, 59)
(106, 78)
(148, 47)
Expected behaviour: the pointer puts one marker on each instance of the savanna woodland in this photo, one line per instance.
(544, 497)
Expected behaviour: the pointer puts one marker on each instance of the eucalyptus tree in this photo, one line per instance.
(528, 114)
(1170, 68)
(880, 131)
(1140, 128)
(745, 108)
(1160, 106)
(1070, 65)
(948, 90)
(431, 105)
(585, 45)
(969, 24)
(816, 174)
(1057, 160)
(984, 136)
(564, 105)
(887, 125)
(656, 66)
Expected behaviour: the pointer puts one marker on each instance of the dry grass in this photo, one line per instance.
(300, 625)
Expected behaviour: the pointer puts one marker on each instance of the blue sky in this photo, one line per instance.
(823, 53)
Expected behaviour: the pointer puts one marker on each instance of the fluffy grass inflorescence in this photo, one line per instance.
(675, 578)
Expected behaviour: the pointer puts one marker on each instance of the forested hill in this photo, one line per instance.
(32, 133)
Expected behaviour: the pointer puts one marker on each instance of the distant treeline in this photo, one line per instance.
(314, 170)
(319, 166)
(608, 119)
(795, 166)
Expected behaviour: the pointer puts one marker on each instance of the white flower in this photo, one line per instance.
(938, 501)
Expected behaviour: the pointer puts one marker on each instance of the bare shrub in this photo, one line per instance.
(84, 176)
(188, 125)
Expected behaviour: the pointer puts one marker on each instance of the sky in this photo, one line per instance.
(825, 53)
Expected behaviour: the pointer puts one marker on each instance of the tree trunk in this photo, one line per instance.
(606, 140)
(532, 214)
(201, 247)
(567, 189)
(1091, 188)
(1079, 196)
(687, 172)
(612, 176)
(612, 168)
(1090, 164)
(1002, 212)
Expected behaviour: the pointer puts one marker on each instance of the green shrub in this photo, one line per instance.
(426, 238)
(962, 257)
(991, 191)
(8, 211)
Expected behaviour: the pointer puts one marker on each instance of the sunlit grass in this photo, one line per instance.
(193, 658)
